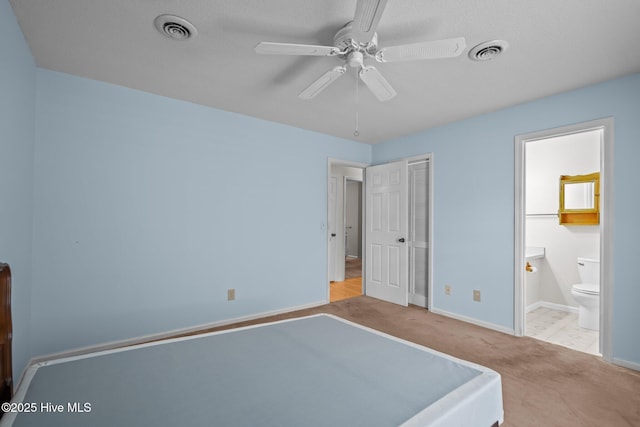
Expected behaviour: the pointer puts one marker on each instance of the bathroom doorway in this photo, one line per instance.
(547, 252)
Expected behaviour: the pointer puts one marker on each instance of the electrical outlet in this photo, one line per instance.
(447, 289)
(476, 295)
(231, 294)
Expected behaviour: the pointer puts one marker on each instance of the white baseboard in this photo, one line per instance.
(626, 364)
(158, 336)
(552, 306)
(471, 320)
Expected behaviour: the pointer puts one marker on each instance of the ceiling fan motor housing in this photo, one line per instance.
(345, 42)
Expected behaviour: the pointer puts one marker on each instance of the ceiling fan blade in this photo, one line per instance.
(377, 83)
(268, 48)
(447, 48)
(325, 80)
(368, 13)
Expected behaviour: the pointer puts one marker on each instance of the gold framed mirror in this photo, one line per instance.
(579, 199)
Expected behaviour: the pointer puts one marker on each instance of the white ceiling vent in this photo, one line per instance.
(174, 27)
(488, 50)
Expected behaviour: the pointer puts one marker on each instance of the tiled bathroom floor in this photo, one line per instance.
(560, 327)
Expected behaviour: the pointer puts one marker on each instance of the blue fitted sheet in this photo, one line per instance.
(312, 371)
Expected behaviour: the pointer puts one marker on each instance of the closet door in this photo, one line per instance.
(418, 233)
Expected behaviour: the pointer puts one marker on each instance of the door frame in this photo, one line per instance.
(606, 224)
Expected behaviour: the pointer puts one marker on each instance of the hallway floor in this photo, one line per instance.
(348, 289)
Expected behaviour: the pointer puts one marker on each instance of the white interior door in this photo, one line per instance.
(386, 232)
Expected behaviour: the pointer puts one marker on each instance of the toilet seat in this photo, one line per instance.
(587, 288)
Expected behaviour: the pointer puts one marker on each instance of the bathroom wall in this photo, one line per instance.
(546, 160)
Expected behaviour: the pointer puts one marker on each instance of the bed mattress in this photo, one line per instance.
(312, 371)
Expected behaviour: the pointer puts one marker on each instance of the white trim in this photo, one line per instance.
(519, 237)
(430, 268)
(552, 306)
(473, 321)
(606, 245)
(606, 224)
(111, 345)
(531, 307)
(626, 364)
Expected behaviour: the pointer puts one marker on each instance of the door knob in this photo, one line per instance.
(333, 234)
(401, 240)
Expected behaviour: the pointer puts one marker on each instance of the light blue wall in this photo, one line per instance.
(17, 112)
(147, 209)
(474, 201)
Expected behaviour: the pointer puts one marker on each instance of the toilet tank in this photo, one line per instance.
(589, 270)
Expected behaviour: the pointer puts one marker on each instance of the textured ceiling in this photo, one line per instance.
(555, 46)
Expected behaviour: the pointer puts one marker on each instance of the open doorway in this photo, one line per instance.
(552, 254)
(560, 254)
(345, 227)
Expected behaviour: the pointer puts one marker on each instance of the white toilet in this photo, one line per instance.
(587, 293)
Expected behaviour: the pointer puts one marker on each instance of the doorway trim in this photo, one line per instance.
(606, 224)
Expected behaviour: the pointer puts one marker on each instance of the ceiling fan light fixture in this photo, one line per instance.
(175, 28)
(488, 50)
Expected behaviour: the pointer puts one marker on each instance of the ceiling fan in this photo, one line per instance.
(357, 41)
